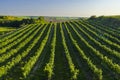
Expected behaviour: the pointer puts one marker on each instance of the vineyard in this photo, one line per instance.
(73, 50)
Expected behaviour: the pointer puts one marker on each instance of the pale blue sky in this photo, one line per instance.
(60, 7)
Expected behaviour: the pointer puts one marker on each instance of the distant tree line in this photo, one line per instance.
(11, 21)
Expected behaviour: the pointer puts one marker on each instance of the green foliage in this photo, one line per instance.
(93, 17)
(73, 70)
(96, 71)
(4, 30)
(50, 65)
(12, 21)
(113, 21)
(29, 65)
(95, 52)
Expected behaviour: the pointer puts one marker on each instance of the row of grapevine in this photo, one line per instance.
(4, 49)
(105, 29)
(111, 30)
(106, 33)
(115, 67)
(16, 37)
(4, 69)
(74, 50)
(73, 70)
(14, 51)
(107, 41)
(109, 50)
(11, 35)
(29, 65)
(50, 65)
(96, 71)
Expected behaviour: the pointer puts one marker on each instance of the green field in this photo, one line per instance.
(4, 30)
(73, 50)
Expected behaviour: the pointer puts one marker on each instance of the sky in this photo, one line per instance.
(68, 8)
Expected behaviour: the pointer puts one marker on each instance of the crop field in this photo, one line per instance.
(73, 50)
(4, 30)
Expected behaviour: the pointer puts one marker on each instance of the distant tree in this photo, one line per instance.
(41, 18)
(11, 21)
(93, 17)
(1, 17)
